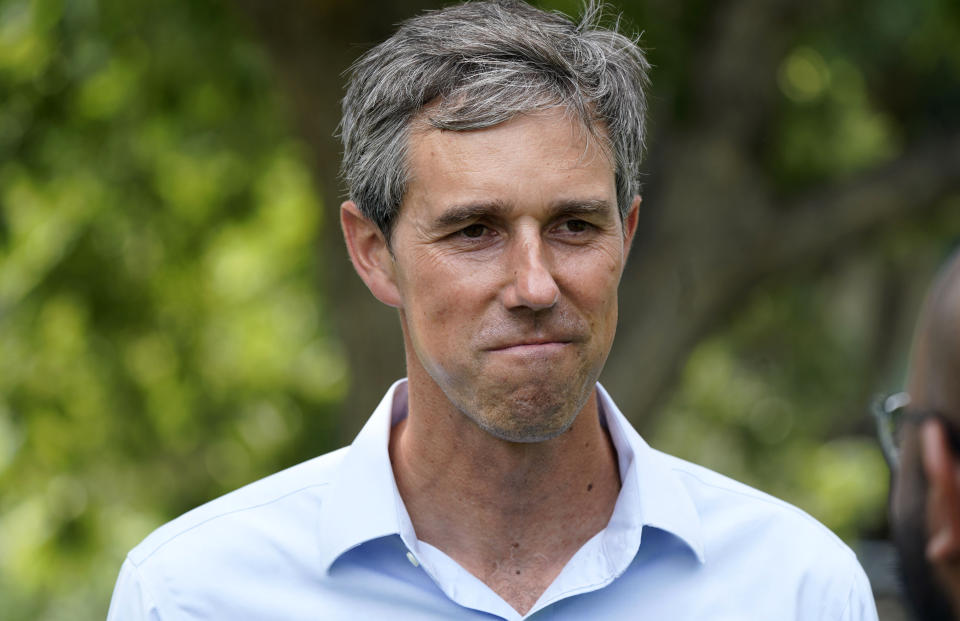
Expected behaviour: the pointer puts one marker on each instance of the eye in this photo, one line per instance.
(473, 231)
(576, 226)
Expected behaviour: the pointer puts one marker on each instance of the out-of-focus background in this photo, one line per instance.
(177, 316)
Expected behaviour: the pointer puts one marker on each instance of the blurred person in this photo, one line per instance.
(919, 434)
(491, 152)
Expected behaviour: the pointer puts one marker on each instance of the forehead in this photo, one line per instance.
(539, 157)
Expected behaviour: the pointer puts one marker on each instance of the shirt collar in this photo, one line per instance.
(651, 494)
(363, 502)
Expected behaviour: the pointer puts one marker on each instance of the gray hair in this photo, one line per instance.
(480, 64)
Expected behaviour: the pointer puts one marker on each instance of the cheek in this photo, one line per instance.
(897, 500)
(441, 294)
(908, 486)
(600, 260)
(594, 282)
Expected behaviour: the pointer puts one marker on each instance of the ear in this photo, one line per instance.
(940, 466)
(370, 254)
(630, 224)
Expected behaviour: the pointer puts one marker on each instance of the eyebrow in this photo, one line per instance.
(462, 214)
(470, 212)
(582, 207)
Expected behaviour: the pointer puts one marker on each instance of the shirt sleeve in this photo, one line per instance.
(131, 601)
(860, 603)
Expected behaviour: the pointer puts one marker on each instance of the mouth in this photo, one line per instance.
(531, 346)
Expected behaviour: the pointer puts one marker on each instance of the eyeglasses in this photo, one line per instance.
(892, 412)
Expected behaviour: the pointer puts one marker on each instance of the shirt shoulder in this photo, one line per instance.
(746, 529)
(717, 495)
(266, 500)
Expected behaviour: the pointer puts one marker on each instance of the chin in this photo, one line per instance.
(533, 414)
(525, 434)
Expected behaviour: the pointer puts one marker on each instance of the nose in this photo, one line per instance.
(532, 284)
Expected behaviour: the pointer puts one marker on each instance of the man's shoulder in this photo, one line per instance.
(724, 503)
(762, 558)
(746, 531)
(281, 502)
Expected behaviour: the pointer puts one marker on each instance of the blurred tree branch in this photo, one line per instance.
(731, 80)
(725, 233)
(914, 182)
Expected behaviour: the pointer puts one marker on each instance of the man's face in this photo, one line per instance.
(908, 501)
(508, 251)
(909, 495)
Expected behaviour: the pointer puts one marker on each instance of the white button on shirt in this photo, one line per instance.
(331, 539)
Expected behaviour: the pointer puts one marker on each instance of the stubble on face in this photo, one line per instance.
(525, 400)
(520, 369)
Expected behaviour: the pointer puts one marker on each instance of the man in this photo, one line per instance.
(491, 153)
(919, 433)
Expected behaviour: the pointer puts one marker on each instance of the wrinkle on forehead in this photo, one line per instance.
(594, 137)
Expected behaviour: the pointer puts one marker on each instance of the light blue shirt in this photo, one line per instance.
(331, 539)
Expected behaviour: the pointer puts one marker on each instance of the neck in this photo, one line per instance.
(510, 513)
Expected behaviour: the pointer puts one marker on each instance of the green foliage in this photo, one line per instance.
(856, 90)
(831, 129)
(758, 399)
(778, 396)
(162, 341)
